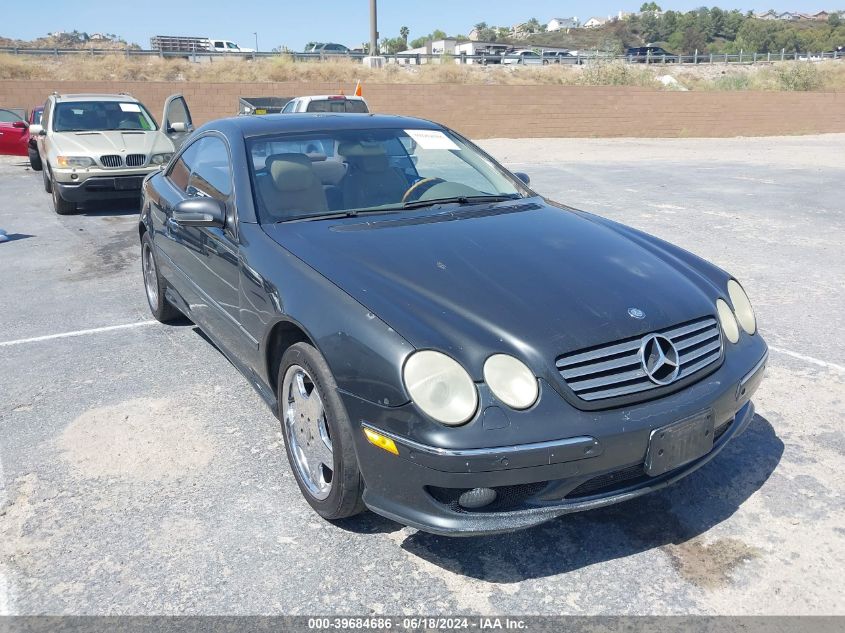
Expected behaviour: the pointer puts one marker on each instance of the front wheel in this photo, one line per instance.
(318, 434)
(48, 184)
(154, 285)
(62, 206)
(34, 159)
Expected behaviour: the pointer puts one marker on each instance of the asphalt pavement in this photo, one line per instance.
(141, 474)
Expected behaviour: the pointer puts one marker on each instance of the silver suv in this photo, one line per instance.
(100, 147)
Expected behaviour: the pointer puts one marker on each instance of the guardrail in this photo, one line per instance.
(582, 57)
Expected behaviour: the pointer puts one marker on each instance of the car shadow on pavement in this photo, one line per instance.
(669, 517)
(109, 207)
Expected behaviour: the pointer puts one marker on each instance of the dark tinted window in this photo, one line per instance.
(181, 171)
(211, 174)
(338, 105)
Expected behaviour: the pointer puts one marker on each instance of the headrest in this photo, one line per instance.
(370, 158)
(354, 150)
(291, 172)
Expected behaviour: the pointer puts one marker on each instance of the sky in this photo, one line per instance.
(293, 23)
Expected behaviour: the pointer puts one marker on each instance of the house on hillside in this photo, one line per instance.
(789, 16)
(595, 22)
(821, 16)
(99, 37)
(562, 24)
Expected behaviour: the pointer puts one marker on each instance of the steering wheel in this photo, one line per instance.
(417, 190)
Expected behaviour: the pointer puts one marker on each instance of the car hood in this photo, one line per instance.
(112, 142)
(525, 278)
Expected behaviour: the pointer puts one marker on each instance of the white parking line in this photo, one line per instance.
(808, 359)
(95, 330)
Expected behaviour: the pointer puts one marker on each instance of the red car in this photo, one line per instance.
(14, 133)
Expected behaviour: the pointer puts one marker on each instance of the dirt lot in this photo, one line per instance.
(139, 473)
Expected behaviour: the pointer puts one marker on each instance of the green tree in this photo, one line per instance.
(650, 7)
(404, 32)
(834, 20)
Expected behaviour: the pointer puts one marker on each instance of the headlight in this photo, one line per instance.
(742, 307)
(441, 387)
(511, 381)
(160, 159)
(74, 161)
(728, 321)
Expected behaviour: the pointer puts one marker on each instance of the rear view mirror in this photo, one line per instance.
(35, 129)
(200, 212)
(523, 177)
(179, 126)
(22, 125)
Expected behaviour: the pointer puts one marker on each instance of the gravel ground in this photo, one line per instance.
(140, 474)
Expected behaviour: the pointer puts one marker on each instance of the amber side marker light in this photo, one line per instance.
(377, 439)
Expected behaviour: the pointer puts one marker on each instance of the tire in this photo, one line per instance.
(34, 159)
(330, 429)
(48, 185)
(62, 206)
(154, 285)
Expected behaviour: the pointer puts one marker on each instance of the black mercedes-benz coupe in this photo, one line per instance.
(441, 344)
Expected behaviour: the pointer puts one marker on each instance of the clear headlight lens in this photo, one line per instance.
(441, 387)
(728, 321)
(74, 161)
(511, 381)
(161, 159)
(742, 307)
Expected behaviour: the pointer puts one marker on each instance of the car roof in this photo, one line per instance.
(96, 97)
(252, 126)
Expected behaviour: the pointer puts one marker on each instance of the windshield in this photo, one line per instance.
(101, 116)
(347, 172)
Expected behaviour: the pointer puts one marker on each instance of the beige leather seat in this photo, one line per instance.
(291, 187)
(371, 181)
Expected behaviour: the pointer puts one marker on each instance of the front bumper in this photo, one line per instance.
(598, 462)
(102, 188)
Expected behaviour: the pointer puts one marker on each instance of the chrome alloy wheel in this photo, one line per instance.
(148, 264)
(307, 432)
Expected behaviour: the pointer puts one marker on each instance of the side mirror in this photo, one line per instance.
(179, 126)
(21, 125)
(523, 177)
(35, 129)
(200, 212)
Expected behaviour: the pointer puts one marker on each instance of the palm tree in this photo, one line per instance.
(404, 32)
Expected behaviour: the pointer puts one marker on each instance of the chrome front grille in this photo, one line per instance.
(616, 370)
(135, 160)
(111, 160)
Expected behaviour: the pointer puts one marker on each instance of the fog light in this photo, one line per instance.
(74, 177)
(377, 439)
(477, 498)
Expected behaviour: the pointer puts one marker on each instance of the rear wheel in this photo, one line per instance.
(154, 285)
(62, 206)
(34, 159)
(318, 434)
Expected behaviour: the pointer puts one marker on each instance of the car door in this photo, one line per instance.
(14, 134)
(176, 122)
(207, 257)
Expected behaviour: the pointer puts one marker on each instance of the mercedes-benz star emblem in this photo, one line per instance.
(660, 360)
(636, 313)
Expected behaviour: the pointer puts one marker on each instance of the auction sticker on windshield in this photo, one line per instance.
(130, 107)
(432, 139)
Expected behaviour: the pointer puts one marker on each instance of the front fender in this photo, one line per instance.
(364, 354)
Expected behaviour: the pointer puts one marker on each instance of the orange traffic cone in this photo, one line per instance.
(359, 92)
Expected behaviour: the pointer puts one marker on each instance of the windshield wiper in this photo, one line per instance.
(421, 204)
(320, 216)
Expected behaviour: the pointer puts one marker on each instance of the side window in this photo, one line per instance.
(211, 174)
(289, 106)
(180, 173)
